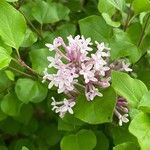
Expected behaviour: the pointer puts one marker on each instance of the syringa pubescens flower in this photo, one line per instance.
(80, 63)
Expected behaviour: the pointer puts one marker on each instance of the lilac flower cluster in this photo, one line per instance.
(79, 63)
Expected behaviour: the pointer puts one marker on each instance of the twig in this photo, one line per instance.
(23, 64)
(23, 73)
(128, 18)
(30, 23)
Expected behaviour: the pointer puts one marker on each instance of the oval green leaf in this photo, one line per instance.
(94, 112)
(12, 25)
(28, 90)
(83, 140)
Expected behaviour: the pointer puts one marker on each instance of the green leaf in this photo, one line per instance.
(10, 75)
(39, 59)
(104, 6)
(5, 57)
(109, 21)
(5, 83)
(24, 148)
(141, 6)
(10, 105)
(29, 39)
(131, 89)
(49, 133)
(3, 147)
(83, 140)
(2, 115)
(28, 90)
(69, 123)
(23, 142)
(12, 25)
(96, 28)
(25, 114)
(140, 127)
(9, 126)
(62, 31)
(126, 146)
(66, 30)
(49, 13)
(102, 141)
(122, 46)
(132, 29)
(144, 104)
(94, 112)
(121, 134)
(11, 0)
(119, 4)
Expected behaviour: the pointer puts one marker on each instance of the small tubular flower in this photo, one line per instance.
(121, 111)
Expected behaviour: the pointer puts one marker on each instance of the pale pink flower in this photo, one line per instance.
(105, 82)
(49, 77)
(103, 70)
(54, 61)
(123, 119)
(102, 51)
(99, 62)
(125, 66)
(64, 79)
(63, 107)
(91, 92)
(88, 73)
(56, 43)
(81, 44)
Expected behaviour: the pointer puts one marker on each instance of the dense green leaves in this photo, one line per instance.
(141, 6)
(102, 141)
(10, 75)
(4, 81)
(29, 39)
(96, 28)
(5, 57)
(69, 123)
(50, 134)
(126, 146)
(129, 88)
(145, 103)
(104, 6)
(24, 148)
(2, 115)
(122, 46)
(109, 21)
(10, 105)
(94, 112)
(49, 12)
(119, 4)
(28, 90)
(121, 134)
(39, 59)
(140, 127)
(12, 25)
(83, 140)
(11, 0)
